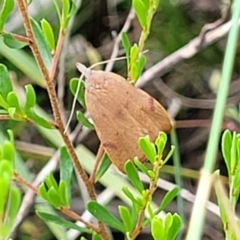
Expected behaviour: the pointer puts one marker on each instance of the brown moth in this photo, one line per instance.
(122, 114)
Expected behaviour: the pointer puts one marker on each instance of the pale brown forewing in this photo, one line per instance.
(121, 114)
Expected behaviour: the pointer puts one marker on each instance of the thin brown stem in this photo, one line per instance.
(5, 117)
(97, 162)
(48, 76)
(22, 181)
(68, 212)
(20, 38)
(57, 54)
(151, 190)
(53, 98)
(24, 118)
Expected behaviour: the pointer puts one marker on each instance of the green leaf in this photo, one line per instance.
(126, 44)
(66, 166)
(147, 3)
(233, 156)
(5, 83)
(3, 111)
(131, 197)
(65, 11)
(57, 220)
(8, 152)
(226, 149)
(41, 43)
(169, 196)
(147, 148)
(6, 169)
(37, 119)
(135, 208)
(83, 120)
(72, 11)
(14, 204)
(133, 176)
(141, 166)
(170, 153)
(3, 103)
(126, 218)
(102, 214)
(66, 170)
(74, 7)
(5, 183)
(30, 97)
(12, 100)
(12, 42)
(134, 51)
(64, 194)
(175, 227)
(160, 142)
(56, 5)
(6, 173)
(48, 182)
(134, 71)
(53, 181)
(168, 222)
(48, 33)
(11, 136)
(74, 86)
(142, 62)
(43, 191)
(95, 236)
(141, 11)
(104, 165)
(7, 8)
(157, 229)
(53, 197)
(150, 211)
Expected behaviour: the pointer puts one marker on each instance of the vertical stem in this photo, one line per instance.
(203, 191)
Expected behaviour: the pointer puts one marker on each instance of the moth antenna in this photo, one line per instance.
(83, 70)
(106, 61)
(75, 100)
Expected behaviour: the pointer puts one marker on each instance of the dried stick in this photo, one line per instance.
(186, 52)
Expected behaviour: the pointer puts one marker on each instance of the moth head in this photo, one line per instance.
(84, 70)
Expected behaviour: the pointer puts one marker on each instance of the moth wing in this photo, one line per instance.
(121, 114)
(155, 112)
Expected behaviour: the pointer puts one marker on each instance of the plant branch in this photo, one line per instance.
(24, 118)
(96, 164)
(57, 54)
(5, 117)
(53, 98)
(117, 41)
(68, 212)
(186, 52)
(152, 188)
(20, 38)
(22, 181)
